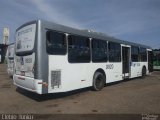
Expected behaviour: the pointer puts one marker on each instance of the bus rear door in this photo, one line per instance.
(126, 61)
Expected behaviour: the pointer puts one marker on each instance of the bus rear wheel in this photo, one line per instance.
(98, 81)
(143, 72)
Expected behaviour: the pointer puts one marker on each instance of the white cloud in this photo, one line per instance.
(51, 12)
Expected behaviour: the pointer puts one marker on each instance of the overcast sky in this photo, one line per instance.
(132, 20)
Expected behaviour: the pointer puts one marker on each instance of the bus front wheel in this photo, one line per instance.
(98, 81)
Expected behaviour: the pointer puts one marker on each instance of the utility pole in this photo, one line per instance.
(6, 36)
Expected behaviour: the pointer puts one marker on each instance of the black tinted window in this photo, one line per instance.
(99, 50)
(135, 54)
(78, 49)
(114, 52)
(143, 54)
(56, 43)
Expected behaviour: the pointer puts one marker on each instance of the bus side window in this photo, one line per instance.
(143, 54)
(78, 49)
(99, 50)
(114, 52)
(134, 53)
(55, 43)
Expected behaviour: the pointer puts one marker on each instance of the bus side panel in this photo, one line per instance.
(78, 75)
(136, 69)
(72, 76)
(113, 72)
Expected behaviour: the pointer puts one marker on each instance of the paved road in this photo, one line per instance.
(134, 96)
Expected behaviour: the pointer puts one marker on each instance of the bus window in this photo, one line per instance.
(134, 54)
(78, 49)
(99, 50)
(56, 43)
(143, 54)
(114, 52)
(25, 39)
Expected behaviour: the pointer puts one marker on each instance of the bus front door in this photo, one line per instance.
(125, 61)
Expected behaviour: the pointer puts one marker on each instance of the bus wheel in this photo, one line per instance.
(98, 81)
(143, 71)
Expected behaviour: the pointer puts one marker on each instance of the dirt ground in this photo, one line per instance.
(134, 96)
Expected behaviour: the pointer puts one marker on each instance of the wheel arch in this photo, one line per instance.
(144, 71)
(101, 71)
(144, 67)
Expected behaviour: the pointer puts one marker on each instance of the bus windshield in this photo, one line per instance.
(25, 38)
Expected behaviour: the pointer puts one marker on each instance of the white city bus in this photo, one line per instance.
(10, 59)
(52, 58)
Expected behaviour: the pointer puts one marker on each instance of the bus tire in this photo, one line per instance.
(143, 72)
(98, 81)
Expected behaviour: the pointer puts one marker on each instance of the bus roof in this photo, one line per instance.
(86, 33)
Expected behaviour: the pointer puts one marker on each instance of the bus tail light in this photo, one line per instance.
(21, 78)
(43, 83)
